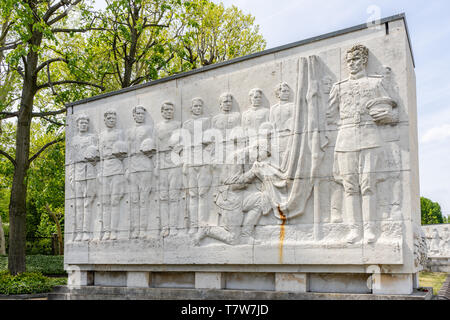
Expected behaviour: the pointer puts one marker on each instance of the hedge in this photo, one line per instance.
(27, 282)
(47, 265)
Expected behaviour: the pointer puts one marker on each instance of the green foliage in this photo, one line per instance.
(214, 33)
(430, 212)
(24, 283)
(47, 265)
(45, 186)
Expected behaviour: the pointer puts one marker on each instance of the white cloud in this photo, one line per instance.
(436, 134)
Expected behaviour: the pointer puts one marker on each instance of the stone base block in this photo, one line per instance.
(138, 279)
(392, 283)
(209, 280)
(80, 278)
(291, 282)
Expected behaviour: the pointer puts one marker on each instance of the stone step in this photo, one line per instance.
(125, 293)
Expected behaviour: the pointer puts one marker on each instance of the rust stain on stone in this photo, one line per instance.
(282, 233)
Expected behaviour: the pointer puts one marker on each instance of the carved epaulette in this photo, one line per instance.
(340, 82)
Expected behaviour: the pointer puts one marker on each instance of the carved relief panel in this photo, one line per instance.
(303, 161)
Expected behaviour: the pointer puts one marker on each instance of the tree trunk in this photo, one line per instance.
(2, 239)
(18, 200)
(18, 205)
(58, 230)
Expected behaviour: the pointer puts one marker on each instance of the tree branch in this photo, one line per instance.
(53, 121)
(37, 154)
(52, 10)
(6, 115)
(48, 113)
(64, 14)
(43, 64)
(57, 30)
(11, 45)
(46, 85)
(8, 157)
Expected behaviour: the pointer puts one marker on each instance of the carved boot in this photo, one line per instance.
(202, 233)
(165, 232)
(354, 234)
(106, 235)
(247, 235)
(369, 232)
(78, 236)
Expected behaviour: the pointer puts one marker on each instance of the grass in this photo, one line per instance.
(47, 265)
(432, 279)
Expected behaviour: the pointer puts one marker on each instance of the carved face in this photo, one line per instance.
(83, 125)
(110, 120)
(285, 93)
(139, 115)
(197, 108)
(355, 62)
(256, 98)
(263, 153)
(167, 112)
(226, 103)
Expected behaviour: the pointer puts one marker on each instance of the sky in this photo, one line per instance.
(285, 21)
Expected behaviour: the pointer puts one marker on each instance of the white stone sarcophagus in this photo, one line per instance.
(293, 169)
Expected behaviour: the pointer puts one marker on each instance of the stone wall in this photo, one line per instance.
(271, 172)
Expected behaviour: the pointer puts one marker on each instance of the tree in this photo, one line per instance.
(136, 41)
(214, 34)
(430, 212)
(132, 41)
(36, 28)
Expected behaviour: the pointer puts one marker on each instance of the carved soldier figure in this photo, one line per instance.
(226, 120)
(113, 150)
(435, 242)
(271, 190)
(255, 114)
(282, 117)
(83, 176)
(169, 172)
(197, 171)
(140, 170)
(363, 106)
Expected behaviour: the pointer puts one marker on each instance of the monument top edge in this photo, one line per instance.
(400, 16)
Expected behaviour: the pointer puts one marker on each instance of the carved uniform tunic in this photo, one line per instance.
(111, 164)
(170, 178)
(282, 116)
(357, 153)
(82, 169)
(138, 161)
(196, 126)
(254, 117)
(357, 130)
(226, 121)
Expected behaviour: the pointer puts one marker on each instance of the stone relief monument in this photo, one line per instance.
(437, 241)
(306, 168)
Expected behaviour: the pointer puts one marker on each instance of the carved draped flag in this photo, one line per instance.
(306, 146)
